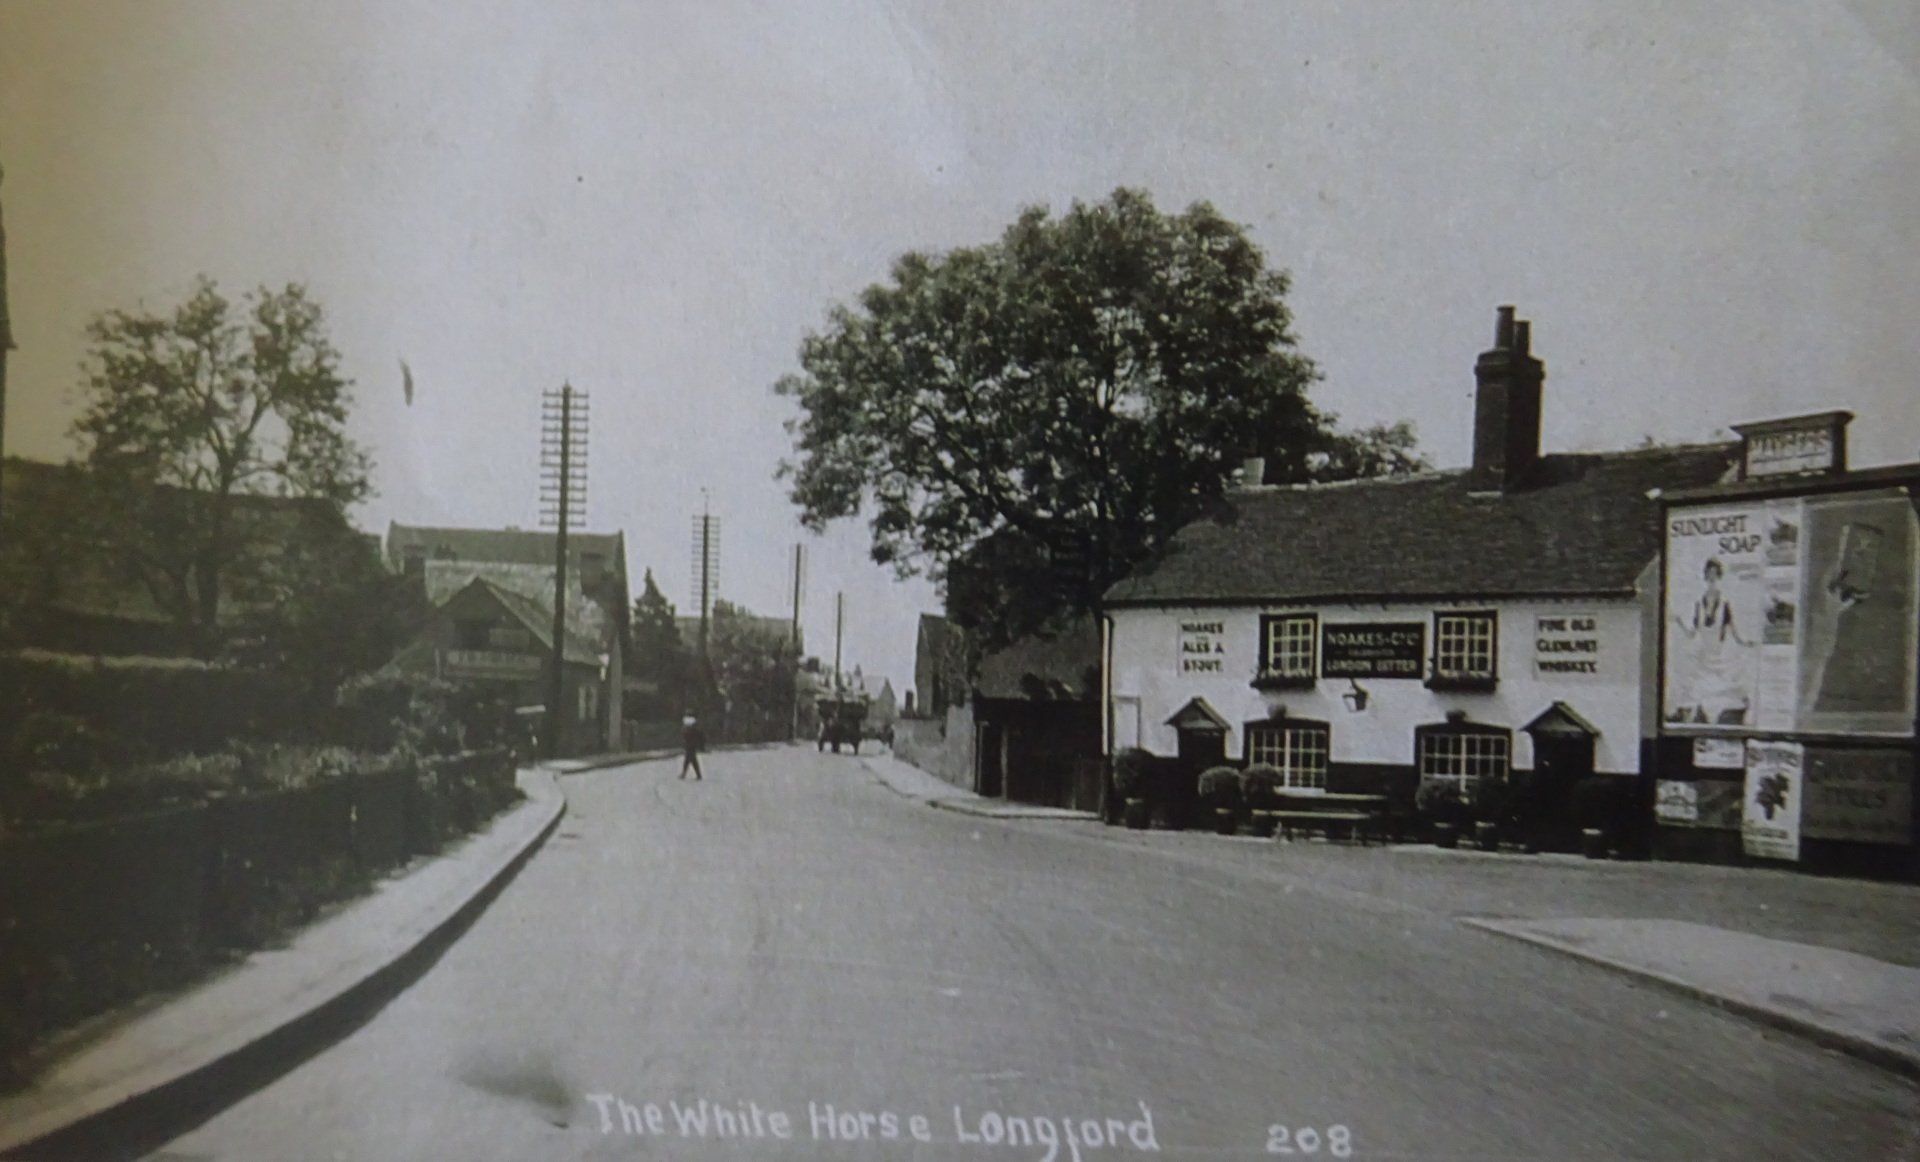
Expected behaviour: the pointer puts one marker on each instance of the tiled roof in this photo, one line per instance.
(538, 619)
(1063, 666)
(527, 590)
(1580, 524)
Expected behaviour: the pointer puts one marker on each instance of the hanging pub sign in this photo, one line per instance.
(1203, 647)
(1775, 793)
(1373, 649)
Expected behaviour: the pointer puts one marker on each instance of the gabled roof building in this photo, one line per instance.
(1450, 625)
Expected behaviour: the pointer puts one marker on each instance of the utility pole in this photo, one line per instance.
(839, 623)
(706, 583)
(793, 632)
(6, 341)
(563, 499)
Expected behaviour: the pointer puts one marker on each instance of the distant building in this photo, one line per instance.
(493, 592)
(939, 666)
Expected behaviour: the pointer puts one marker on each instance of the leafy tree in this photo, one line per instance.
(753, 663)
(1031, 418)
(659, 654)
(322, 607)
(191, 413)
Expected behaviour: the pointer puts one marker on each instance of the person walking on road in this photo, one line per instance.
(692, 740)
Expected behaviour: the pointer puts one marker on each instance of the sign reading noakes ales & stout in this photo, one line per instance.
(1203, 647)
(1373, 649)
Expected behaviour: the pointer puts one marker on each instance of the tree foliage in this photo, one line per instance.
(191, 413)
(1029, 419)
(753, 663)
(660, 657)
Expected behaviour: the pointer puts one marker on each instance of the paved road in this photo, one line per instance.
(789, 934)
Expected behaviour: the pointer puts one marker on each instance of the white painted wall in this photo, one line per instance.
(1146, 666)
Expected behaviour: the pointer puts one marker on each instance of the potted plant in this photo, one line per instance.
(1220, 793)
(1492, 803)
(1132, 781)
(1597, 810)
(1439, 804)
(1259, 792)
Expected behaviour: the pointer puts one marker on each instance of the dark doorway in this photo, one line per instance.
(990, 767)
(1559, 762)
(1200, 747)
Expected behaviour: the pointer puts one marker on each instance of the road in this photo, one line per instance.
(788, 935)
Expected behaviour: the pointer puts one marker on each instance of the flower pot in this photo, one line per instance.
(1138, 814)
(1226, 820)
(1486, 835)
(1446, 835)
(1593, 843)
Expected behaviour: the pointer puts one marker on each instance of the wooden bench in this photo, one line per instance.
(1360, 815)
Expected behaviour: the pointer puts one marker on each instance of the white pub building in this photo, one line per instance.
(1450, 625)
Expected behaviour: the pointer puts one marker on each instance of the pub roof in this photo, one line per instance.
(1579, 525)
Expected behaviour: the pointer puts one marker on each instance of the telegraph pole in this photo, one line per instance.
(706, 584)
(839, 623)
(793, 717)
(563, 499)
(6, 340)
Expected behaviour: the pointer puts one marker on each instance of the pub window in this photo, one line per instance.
(1287, 647)
(1463, 648)
(1464, 755)
(1297, 749)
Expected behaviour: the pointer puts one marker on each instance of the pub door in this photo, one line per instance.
(1559, 761)
(1200, 748)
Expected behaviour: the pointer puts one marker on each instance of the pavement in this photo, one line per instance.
(1853, 1002)
(151, 1058)
(904, 778)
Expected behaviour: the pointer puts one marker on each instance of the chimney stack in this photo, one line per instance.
(1506, 407)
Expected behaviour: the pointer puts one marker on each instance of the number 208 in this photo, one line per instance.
(1335, 1140)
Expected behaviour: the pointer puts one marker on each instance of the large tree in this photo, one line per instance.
(193, 414)
(1028, 420)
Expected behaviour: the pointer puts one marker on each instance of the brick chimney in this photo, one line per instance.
(1506, 407)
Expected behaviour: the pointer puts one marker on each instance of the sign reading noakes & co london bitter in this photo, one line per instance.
(1373, 649)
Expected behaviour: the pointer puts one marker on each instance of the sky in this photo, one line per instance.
(1710, 211)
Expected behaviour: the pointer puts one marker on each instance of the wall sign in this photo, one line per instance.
(1203, 647)
(1566, 645)
(1862, 796)
(1373, 649)
(1815, 443)
(1719, 754)
(1775, 793)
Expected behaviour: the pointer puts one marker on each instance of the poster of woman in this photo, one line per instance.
(1716, 615)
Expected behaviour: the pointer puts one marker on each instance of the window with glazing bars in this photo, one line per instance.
(1297, 750)
(1463, 645)
(1287, 645)
(1464, 758)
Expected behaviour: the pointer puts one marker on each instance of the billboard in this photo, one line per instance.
(1791, 615)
